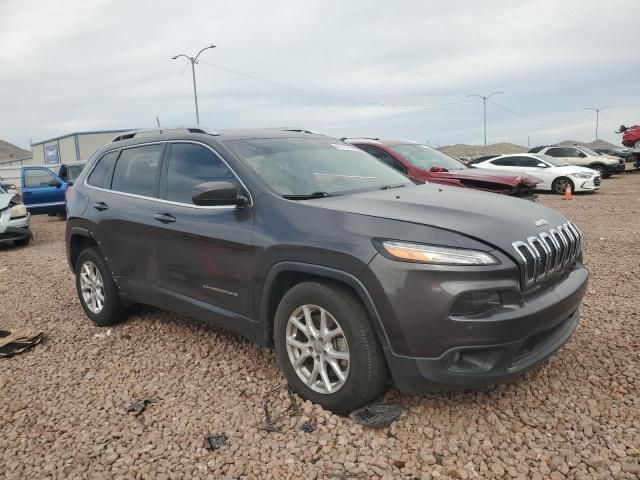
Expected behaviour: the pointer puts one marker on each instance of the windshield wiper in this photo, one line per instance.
(387, 187)
(307, 196)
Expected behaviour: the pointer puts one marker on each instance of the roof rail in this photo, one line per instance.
(300, 130)
(360, 138)
(160, 130)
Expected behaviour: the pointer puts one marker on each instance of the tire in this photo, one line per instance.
(637, 144)
(600, 169)
(365, 374)
(560, 184)
(23, 242)
(112, 310)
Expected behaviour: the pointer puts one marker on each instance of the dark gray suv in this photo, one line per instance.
(349, 269)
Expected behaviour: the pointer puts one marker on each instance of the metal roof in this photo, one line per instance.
(91, 132)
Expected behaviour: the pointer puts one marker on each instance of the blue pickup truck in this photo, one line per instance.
(44, 188)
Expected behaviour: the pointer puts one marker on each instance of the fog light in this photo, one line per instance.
(476, 303)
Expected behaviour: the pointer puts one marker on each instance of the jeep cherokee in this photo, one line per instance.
(349, 269)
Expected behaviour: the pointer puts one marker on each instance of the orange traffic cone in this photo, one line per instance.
(567, 193)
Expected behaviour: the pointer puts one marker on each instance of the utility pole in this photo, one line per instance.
(597, 110)
(193, 61)
(484, 105)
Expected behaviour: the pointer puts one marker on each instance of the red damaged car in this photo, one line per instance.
(424, 163)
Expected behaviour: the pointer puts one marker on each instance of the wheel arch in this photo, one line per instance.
(285, 275)
(79, 240)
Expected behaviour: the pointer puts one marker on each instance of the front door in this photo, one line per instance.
(42, 190)
(205, 254)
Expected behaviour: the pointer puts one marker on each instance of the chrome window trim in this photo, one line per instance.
(161, 200)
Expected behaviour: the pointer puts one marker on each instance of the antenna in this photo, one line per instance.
(158, 122)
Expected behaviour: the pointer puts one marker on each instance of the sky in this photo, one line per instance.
(399, 69)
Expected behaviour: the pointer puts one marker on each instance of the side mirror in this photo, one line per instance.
(218, 194)
(542, 165)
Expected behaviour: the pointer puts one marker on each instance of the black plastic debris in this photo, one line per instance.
(377, 415)
(214, 442)
(270, 421)
(308, 427)
(138, 406)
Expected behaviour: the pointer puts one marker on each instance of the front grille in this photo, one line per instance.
(548, 252)
(597, 181)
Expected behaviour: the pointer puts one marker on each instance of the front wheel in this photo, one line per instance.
(559, 185)
(96, 289)
(601, 170)
(637, 144)
(327, 348)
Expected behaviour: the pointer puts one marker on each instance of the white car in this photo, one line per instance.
(584, 157)
(555, 174)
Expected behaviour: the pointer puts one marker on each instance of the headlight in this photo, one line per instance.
(418, 252)
(18, 211)
(582, 175)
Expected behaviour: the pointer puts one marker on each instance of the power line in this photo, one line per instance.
(334, 97)
(533, 118)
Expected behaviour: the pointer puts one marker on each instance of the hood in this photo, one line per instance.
(491, 218)
(5, 200)
(573, 169)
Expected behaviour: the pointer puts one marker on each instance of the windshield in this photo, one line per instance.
(555, 162)
(588, 151)
(426, 157)
(307, 166)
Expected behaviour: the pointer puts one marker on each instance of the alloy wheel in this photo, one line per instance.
(317, 349)
(92, 287)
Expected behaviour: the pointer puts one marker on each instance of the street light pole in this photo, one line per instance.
(484, 109)
(597, 110)
(193, 60)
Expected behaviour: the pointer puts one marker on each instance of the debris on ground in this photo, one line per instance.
(103, 334)
(18, 340)
(377, 415)
(214, 442)
(308, 427)
(269, 424)
(138, 406)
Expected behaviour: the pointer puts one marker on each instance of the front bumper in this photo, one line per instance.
(617, 168)
(427, 348)
(14, 229)
(583, 185)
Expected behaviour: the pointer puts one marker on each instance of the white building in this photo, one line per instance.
(70, 148)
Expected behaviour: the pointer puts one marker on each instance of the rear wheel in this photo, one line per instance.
(327, 348)
(96, 289)
(560, 184)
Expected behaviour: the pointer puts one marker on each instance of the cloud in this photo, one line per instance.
(94, 64)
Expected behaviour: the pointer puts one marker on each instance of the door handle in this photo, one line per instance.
(100, 206)
(164, 217)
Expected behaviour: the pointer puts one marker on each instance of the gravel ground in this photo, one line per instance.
(63, 403)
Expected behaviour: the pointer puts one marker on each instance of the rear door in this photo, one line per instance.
(570, 155)
(205, 254)
(42, 190)
(123, 198)
(531, 166)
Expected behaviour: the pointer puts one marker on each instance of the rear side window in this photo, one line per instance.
(101, 174)
(505, 162)
(191, 165)
(137, 170)
(557, 152)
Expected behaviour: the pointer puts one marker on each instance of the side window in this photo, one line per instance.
(191, 165)
(137, 170)
(101, 174)
(505, 162)
(38, 178)
(575, 153)
(384, 156)
(528, 162)
(556, 152)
